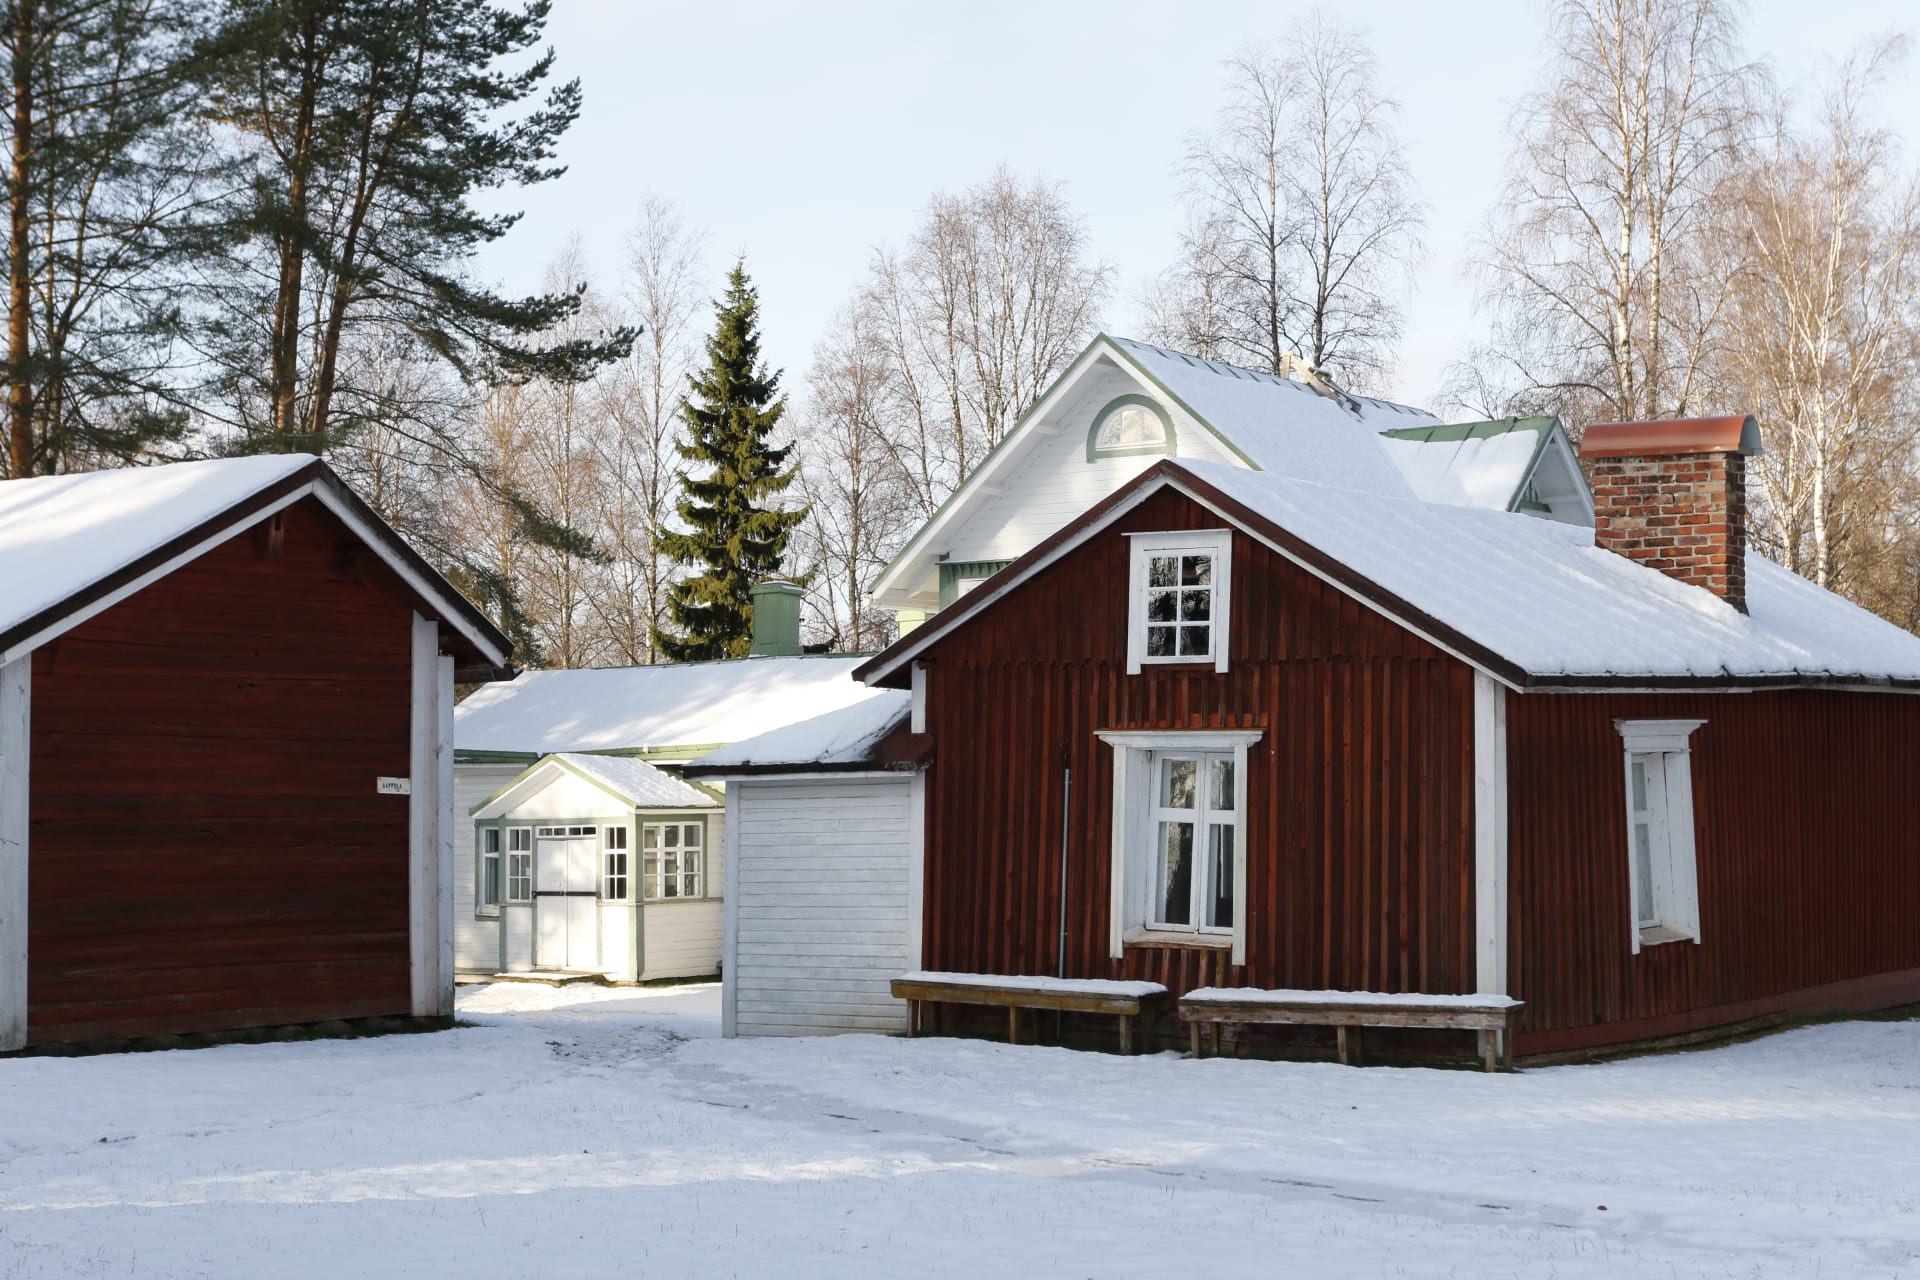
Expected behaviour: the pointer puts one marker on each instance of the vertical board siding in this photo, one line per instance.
(1806, 843)
(208, 847)
(1360, 804)
(821, 905)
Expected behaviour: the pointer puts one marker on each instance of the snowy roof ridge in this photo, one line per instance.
(73, 544)
(848, 738)
(643, 784)
(695, 704)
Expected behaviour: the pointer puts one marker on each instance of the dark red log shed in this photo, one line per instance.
(232, 793)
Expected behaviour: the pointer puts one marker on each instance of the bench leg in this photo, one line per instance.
(1126, 1034)
(1013, 1024)
(1506, 1048)
(1193, 1039)
(913, 1018)
(1489, 1058)
(1340, 1039)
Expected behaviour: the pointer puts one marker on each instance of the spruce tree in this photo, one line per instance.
(734, 532)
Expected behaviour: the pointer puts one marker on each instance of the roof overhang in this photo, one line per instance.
(892, 667)
(542, 773)
(482, 651)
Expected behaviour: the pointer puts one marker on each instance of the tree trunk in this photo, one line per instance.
(20, 444)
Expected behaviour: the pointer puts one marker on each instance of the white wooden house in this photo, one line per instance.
(583, 850)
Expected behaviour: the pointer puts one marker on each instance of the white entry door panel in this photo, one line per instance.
(564, 898)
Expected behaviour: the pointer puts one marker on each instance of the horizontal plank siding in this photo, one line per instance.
(821, 902)
(209, 850)
(476, 940)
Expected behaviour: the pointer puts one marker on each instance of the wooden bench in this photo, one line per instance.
(1128, 1001)
(1494, 1017)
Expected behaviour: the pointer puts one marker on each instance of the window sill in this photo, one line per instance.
(1149, 938)
(1656, 934)
(487, 915)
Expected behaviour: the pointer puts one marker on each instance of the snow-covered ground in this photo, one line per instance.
(595, 1132)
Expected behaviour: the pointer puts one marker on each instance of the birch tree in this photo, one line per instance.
(860, 507)
(1592, 263)
(1821, 238)
(1308, 226)
(992, 297)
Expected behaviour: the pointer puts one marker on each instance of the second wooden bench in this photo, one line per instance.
(1494, 1017)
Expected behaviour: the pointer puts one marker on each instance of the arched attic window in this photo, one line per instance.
(1128, 426)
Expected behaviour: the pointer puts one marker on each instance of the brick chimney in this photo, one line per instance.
(1673, 496)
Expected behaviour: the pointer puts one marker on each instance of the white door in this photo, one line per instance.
(566, 934)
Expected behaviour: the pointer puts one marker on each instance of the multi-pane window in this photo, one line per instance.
(1130, 425)
(1179, 606)
(519, 864)
(1662, 881)
(487, 894)
(1194, 842)
(613, 864)
(671, 859)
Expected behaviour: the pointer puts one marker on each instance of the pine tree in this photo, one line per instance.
(733, 532)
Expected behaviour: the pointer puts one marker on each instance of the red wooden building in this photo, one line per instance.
(226, 692)
(1228, 728)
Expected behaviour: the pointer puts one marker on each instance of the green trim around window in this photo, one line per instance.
(954, 572)
(1166, 446)
(682, 817)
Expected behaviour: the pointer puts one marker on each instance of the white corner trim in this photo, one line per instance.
(917, 720)
(1240, 825)
(423, 812)
(730, 921)
(916, 870)
(1123, 827)
(1490, 876)
(444, 820)
(16, 740)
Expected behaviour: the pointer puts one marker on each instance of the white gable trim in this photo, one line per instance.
(1007, 580)
(982, 482)
(522, 788)
(16, 729)
(437, 593)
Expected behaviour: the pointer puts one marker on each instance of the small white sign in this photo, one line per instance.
(395, 786)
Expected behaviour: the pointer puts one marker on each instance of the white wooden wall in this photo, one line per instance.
(820, 905)
(476, 943)
(682, 939)
(16, 729)
(1056, 483)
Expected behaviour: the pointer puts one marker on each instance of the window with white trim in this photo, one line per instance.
(1178, 871)
(1662, 877)
(613, 864)
(520, 864)
(671, 858)
(486, 895)
(1178, 607)
(1129, 426)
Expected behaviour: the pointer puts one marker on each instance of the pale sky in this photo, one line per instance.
(804, 134)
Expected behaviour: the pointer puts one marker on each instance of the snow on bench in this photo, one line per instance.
(1125, 1000)
(1493, 1016)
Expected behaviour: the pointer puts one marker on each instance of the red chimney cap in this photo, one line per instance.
(1675, 435)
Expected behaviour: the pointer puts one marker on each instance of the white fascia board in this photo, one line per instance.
(68, 622)
(1003, 582)
(888, 591)
(1188, 739)
(427, 590)
(804, 774)
(348, 516)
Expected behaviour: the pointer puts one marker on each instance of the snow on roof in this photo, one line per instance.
(642, 784)
(1475, 471)
(681, 704)
(1281, 425)
(1541, 595)
(60, 535)
(838, 738)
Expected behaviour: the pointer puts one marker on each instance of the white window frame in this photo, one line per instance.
(489, 869)
(1144, 547)
(616, 862)
(693, 870)
(1132, 856)
(519, 867)
(1662, 750)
